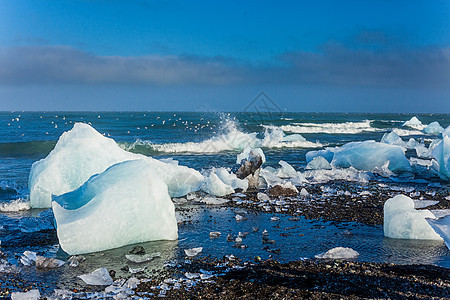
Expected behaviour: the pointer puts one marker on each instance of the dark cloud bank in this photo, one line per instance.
(335, 64)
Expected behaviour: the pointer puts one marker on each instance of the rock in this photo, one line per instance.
(137, 250)
(286, 190)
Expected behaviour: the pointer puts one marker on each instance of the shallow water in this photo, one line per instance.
(26, 137)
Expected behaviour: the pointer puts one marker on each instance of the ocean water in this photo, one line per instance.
(201, 141)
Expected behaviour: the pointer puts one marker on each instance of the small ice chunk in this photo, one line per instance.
(193, 251)
(213, 200)
(48, 262)
(339, 253)
(318, 163)
(365, 193)
(136, 258)
(191, 275)
(231, 179)
(132, 283)
(238, 217)
(304, 192)
(98, 277)
(74, 261)
(28, 258)
(214, 234)
(262, 197)
(30, 295)
(402, 221)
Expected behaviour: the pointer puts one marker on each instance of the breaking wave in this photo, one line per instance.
(331, 128)
(232, 139)
(15, 205)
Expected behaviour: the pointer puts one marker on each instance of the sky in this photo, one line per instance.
(306, 56)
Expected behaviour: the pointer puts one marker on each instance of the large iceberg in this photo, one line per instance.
(126, 204)
(402, 221)
(83, 152)
(366, 156)
(441, 154)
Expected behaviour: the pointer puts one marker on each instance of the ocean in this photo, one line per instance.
(203, 140)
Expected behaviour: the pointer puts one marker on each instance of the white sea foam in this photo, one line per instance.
(15, 205)
(346, 127)
(234, 139)
(407, 132)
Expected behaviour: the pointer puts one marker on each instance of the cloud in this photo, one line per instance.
(337, 64)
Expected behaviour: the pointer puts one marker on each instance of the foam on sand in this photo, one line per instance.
(126, 204)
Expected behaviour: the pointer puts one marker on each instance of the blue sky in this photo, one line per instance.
(365, 56)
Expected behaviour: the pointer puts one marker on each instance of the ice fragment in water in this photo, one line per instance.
(262, 197)
(136, 258)
(441, 155)
(193, 251)
(48, 262)
(402, 221)
(414, 123)
(98, 277)
(28, 258)
(214, 234)
(30, 295)
(126, 204)
(213, 200)
(339, 253)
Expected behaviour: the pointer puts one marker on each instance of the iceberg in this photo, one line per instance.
(126, 204)
(402, 221)
(442, 227)
(83, 152)
(433, 128)
(366, 156)
(441, 155)
(414, 123)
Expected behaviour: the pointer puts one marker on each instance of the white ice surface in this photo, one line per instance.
(214, 186)
(339, 253)
(126, 204)
(98, 277)
(402, 221)
(441, 155)
(442, 227)
(83, 152)
(433, 128)
(318, 163)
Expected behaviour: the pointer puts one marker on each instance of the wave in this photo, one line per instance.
(231, 139)
(15, 205)
(407, 132)
(34, 149)
(341, 128)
